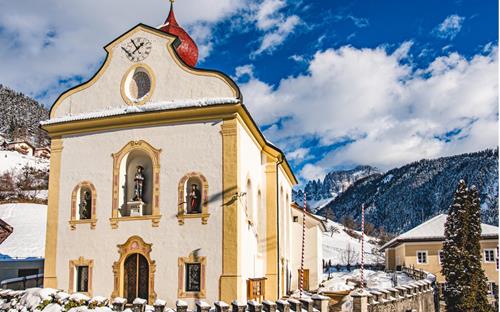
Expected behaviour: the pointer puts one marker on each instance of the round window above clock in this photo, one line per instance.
(137, 85)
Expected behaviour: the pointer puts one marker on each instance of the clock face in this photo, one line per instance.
(137, 49)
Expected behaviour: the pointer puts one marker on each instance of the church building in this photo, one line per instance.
(162, 185)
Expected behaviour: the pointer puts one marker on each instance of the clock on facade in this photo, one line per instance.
(137, 49)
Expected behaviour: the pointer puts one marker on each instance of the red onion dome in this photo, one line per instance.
(187, 50)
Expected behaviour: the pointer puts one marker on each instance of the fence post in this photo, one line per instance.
(254, 306)
(283, 306)
(238, 306)
(320, 302)
(202, 306)
(359, 300)
(269, 306)
(221, 306)
(181, 306)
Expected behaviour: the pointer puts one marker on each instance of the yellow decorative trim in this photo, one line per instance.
(154, 154)
(155, 220)
(50, 276)
(181, 199)
(215, 112)
(271, 231)
(134, 244)
(231, 282)
(74, 221)
(182, 261)
(111, 46)
(91, 222)
(73, 264)
(152, 78)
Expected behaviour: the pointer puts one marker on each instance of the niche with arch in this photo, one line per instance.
(193, 198)
(83, 205)
(136, 183)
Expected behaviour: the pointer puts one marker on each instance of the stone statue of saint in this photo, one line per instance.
(138, 184)
(195, 198)
(85, 205)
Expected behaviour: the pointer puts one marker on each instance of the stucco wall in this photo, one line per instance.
(408, 253)
(185, 148)
(252, 221)
(172, 80)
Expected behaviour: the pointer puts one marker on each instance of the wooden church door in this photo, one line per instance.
(136, 277)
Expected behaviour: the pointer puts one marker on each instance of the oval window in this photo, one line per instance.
(138, 85)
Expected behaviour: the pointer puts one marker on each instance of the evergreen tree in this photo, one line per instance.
(466, 288)
(453, 266)
(477, 297)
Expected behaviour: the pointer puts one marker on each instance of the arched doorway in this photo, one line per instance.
(136, 277)
(134, 272)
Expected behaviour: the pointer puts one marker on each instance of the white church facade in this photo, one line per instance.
(162, 186)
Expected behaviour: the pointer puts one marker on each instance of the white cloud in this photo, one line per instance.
(392, 112)
(275, 24)
(450, 27)
(244, 70)
(45, 43)
(298, 154)
(312, 172)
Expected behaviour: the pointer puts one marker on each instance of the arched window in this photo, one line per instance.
(83, 203)
(136, 183)
(193, 197)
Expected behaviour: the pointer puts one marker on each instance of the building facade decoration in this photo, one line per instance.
(81, 275)
(134, 247)
(136, 167)
(193, 197)
(83, 205)
(192, 276)
(183, 156)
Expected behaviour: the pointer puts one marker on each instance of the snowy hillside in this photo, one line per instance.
(28, 238)
(11, 160)
(342, 248)
(404, 197)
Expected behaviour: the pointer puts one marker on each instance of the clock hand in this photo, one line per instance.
(137, 48)
(126, 51)
(133, 42)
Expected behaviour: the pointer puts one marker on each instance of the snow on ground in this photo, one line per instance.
(335, 247)
(28, 238)
(11, 160)
(375, 280)
(318, 204)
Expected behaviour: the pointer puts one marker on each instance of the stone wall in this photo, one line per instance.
(417, 296)
(45, 300)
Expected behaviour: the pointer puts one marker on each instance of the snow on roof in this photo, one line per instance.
(150, 107)
(434, 229)
(28, 238)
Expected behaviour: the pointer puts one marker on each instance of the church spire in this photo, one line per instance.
(187, 50)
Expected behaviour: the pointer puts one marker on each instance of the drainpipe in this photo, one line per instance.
(278, 163)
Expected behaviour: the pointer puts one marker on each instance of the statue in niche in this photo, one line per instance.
(195, 199)
(85, 205)
(139, 184)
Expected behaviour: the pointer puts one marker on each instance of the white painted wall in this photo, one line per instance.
(253, 233)
(185, 148)
(172, 81)
(313, 251)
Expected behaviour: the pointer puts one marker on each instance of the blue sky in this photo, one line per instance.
(332, 83)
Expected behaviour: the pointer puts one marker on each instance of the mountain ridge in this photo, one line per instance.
(426, 186)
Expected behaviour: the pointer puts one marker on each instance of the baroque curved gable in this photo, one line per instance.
(171, 79)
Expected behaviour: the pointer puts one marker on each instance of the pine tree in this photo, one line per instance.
(453, 266)
(466, 288)
(476, 298)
